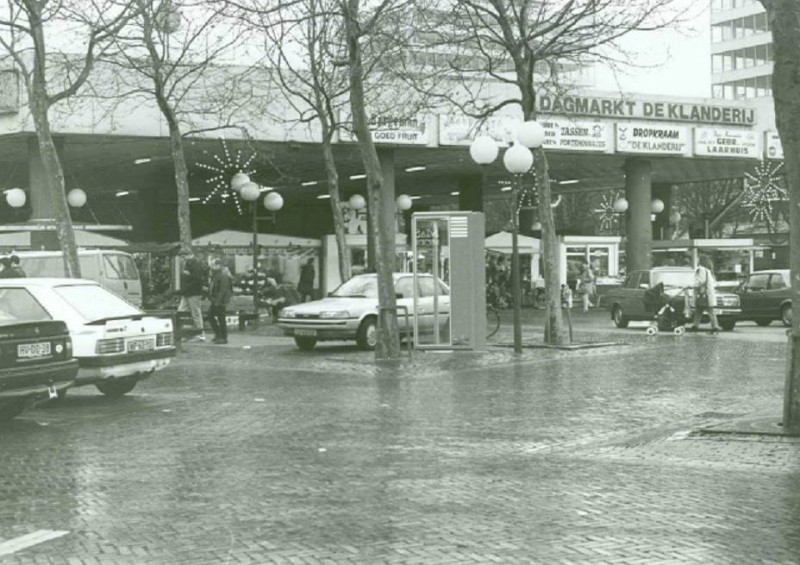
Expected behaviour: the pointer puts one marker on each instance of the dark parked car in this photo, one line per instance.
(628, 302)
(766, 296)
(35, 362)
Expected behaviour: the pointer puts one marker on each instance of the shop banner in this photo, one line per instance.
(724, 142)
(773, 148)
(393, 130)
(571, 135)
(461, 129)
(652, 139)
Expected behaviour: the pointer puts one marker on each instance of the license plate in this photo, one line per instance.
(308, 333)
(141, 345)
(33, 350)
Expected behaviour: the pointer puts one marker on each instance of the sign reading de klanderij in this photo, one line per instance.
(643, 109)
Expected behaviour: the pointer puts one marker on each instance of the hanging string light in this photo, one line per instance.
(226, 167)
(762, 188)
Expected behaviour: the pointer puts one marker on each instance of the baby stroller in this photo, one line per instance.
(665, 318)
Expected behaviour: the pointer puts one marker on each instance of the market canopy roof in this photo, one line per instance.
(87, 239)
(233, 238)
(501, 241)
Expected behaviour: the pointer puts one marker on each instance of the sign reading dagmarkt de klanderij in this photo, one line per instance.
(645, 109)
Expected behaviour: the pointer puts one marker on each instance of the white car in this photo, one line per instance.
(116, 344)
(351, 311)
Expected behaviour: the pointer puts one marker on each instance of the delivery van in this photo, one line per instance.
(115, 270)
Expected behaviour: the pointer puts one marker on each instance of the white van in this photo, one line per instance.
(115, 270)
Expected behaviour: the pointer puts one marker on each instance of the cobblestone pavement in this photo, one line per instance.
(257, 453)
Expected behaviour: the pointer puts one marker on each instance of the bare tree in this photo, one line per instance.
(54, 70)
(172, 52)
(784, 18)
(499, 53)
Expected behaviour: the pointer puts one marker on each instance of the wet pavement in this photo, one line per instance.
(258, 453)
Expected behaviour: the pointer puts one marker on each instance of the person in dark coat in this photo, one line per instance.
(306, 285)
(192, 283)
(219, 293)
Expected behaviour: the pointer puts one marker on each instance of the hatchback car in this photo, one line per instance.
(116, 344)
(628, 302)
(351, 311)
(35, 362)
(767, 296)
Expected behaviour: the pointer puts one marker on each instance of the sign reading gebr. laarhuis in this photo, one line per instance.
(726, 142)
(652, 139)
(645, 110)
(576, 135)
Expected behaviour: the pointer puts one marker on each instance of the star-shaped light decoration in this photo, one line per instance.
(606, 214)
(761, 189)
(222, 172)
(528, 197)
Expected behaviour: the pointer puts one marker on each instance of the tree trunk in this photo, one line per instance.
(181, 176)
(784, 16)
(388, 346)
(336, 207)
(55, 175)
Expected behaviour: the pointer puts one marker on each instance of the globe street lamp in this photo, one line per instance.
(250, 191)
(16, 197)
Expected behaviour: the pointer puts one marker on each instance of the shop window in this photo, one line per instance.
(750, 87)
(716, 91)
(727, 90)
(599, 259)
(716, 33)
(716, 63)
(727, 61)
(738, 56)
(761, 22)
(761, 55)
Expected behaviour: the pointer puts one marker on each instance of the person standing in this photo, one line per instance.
(705, 296)
(192, 283)
(17, 272)
(219, 292)
(587, 286)
(306, 285)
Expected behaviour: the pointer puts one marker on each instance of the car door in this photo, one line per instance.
(776, 293)
(404, 293)
(635, 297)
(752, 297)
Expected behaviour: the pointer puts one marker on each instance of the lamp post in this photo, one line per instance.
(16, 197)
(250, 191)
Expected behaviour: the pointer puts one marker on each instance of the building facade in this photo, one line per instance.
(741, 50)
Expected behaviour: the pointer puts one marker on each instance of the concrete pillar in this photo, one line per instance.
(470, 193)
(661, 227)
(638, 227)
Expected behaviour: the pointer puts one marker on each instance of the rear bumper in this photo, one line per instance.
(94, 369)
(332, 329)
(36, 380)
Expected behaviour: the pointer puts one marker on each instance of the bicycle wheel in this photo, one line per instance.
(492, 321)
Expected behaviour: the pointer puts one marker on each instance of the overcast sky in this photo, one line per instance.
(678, 61)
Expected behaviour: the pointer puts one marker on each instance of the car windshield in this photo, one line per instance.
(359, 287)
(673, 279)
(93, 302)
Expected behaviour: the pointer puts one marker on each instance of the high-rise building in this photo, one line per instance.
(741, 50)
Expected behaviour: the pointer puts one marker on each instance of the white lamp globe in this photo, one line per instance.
(249, 191)
(620, 205)
(76, 198)
(404, 202)
(518, 159)
(357, 202)
(536, 226)
(238, 181)
(273, 201)
(657, 206)
(16, 197)
(531, 134)
(484, 150)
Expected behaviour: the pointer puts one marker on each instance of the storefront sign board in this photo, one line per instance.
(726, 142)
(773, 148)
(569, 135)
(653, 139)
(394, 131)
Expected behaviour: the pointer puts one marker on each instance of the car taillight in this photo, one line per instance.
(106, 346)
(164, 339)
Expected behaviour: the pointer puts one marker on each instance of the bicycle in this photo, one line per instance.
(492, 320)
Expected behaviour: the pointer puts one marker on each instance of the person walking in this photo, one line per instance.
(219, 292)
(586, 279)
(705, 296)
(192, 283)
(306, 285)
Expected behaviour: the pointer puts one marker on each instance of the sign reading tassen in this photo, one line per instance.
(652, 139)
(724, 142)
(576, 135)
(643, 109)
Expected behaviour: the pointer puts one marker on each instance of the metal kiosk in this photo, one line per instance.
(449, 246)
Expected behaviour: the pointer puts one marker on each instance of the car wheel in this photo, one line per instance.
(11, 410)
(763, 322)
(786, 315)
(114, 388)
(305, 343)
(619, 319)
(367, 335)
(728, 325)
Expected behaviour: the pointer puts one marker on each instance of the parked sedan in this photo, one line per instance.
(35, 362)
(627, 303)
(351, 311)
(116, 344)
(767, 296)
